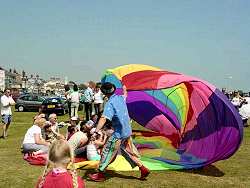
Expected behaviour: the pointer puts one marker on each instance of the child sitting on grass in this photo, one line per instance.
(95, 145)
(60, 156)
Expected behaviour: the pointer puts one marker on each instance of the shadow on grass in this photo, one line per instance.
(109, 175)
(206, 171)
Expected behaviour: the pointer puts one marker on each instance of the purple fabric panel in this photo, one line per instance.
(214, 147)
(235, 113)
(119, 91)
(143, 108)
(217, 133)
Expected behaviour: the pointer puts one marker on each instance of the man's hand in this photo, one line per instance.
(92, 131)
(125, 93)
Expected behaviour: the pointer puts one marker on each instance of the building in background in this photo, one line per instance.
(54, 86)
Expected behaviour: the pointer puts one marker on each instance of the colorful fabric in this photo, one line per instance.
(116, 111)
(191, 123)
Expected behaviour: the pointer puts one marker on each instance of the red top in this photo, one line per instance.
(62, 180)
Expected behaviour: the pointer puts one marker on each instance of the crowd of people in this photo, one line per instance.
(99, 136)
(91, 97)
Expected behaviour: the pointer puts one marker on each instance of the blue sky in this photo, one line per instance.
(80, 39)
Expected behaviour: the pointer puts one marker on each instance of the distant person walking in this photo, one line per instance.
(6, 103)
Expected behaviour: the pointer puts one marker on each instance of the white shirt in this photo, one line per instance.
(245, 111)
(5, 105)
(236, 101)
(98, 97)
(247, 99)
(75, 97)
(29, 137)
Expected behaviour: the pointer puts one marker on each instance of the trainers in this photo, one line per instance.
(144, 172)
(98, 177)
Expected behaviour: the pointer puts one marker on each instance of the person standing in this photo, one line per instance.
(88, 99)
(98, 100)
(75, 100)
(6, 103)
(116, 111)
(67, 96)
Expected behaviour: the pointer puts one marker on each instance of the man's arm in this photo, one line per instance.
(125, 92)
(101, 123)
(40, 141)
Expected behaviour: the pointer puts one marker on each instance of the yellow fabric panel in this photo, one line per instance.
(121, 71)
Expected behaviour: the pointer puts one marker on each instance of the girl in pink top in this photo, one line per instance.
(56, 173)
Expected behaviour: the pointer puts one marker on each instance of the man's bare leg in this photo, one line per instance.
(6, 129)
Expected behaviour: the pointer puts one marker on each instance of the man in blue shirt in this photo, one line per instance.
(116, 111)
(88, 99)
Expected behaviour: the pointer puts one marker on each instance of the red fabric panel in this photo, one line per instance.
(143, 79)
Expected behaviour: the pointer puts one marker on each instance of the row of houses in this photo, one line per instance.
(35, 84)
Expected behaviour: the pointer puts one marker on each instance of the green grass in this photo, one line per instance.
(15, 172)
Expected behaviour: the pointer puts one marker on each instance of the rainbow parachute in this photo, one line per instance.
(191, 123)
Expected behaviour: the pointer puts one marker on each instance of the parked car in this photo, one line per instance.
(54, 105)
(29, 102)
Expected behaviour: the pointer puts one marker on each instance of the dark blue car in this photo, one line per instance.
(54, 105)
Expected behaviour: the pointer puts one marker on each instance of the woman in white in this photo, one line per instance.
(33, 141)
(98, 101)
(74, 99)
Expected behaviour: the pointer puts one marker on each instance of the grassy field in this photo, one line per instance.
(15, 172)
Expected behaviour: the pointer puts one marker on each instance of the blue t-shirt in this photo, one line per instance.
(116, 111)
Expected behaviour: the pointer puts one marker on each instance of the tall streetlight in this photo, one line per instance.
(229, 81)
